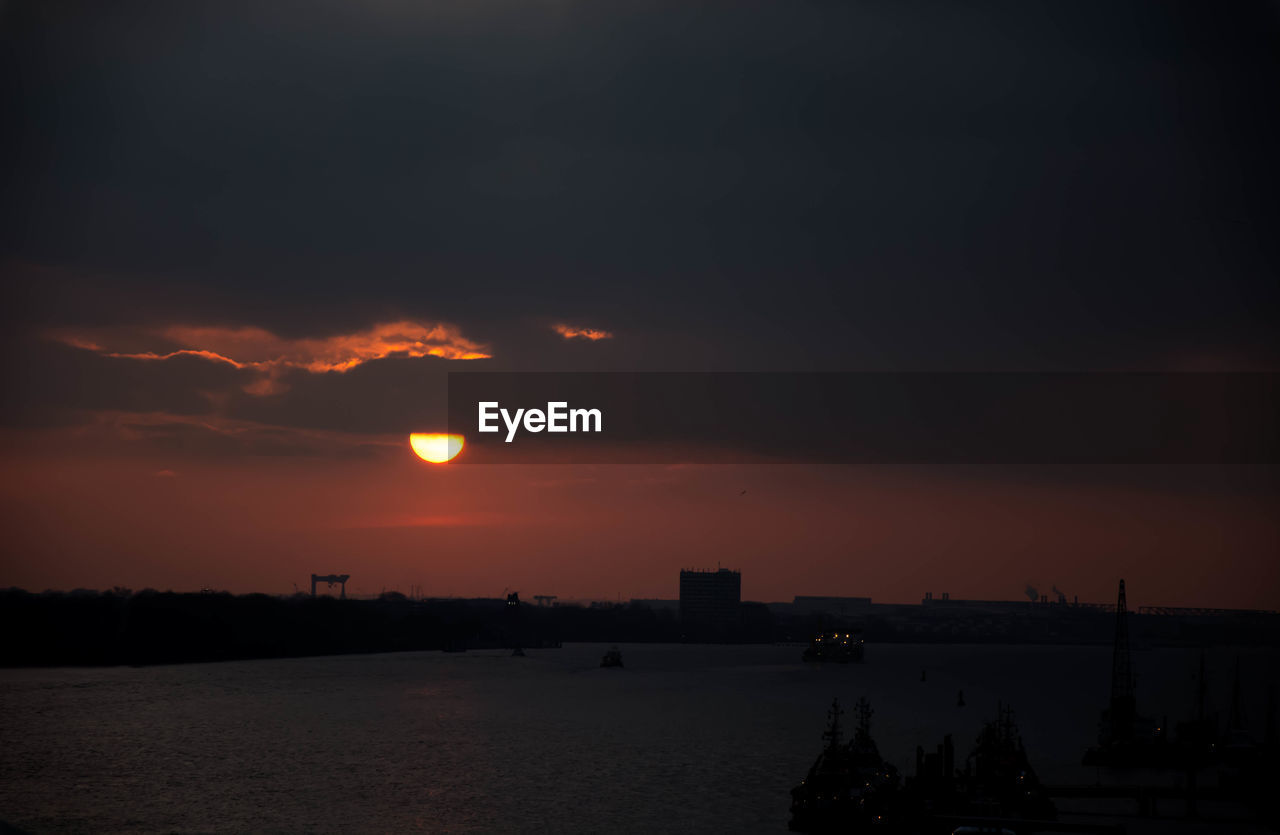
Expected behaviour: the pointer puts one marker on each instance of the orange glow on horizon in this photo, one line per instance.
(436, 447)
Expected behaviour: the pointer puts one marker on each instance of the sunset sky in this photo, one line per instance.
(241, 250)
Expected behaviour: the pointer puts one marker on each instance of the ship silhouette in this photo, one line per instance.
(848, 786)
(835, 647)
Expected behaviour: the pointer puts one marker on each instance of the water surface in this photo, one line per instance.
(684, 738)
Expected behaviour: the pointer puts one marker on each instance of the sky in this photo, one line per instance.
(242, 245)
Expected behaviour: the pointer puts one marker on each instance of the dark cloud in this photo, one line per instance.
(56, 384)
(397, 395)
(203, 440)
(820, 184)
(48, 383)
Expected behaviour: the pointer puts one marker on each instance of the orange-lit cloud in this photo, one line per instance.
(590, 334)
(342, 352)
(77, 341)
(152, 355)
(260, 350)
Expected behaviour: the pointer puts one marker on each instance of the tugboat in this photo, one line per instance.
(612, 658)
(849, 787)
(997, 787)
(835, 647)
(1001, 775)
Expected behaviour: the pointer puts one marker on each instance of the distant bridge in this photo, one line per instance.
(1197, 612)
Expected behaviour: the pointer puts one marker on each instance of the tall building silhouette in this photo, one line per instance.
(710, 598)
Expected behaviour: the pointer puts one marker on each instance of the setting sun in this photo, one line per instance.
(436, 447)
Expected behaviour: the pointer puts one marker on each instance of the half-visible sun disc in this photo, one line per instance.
(435, 447)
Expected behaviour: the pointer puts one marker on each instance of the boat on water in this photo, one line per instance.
(612, 658)
(835, 647)
(849, 787)
(997, 784)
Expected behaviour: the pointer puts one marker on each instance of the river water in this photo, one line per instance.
(684, 738)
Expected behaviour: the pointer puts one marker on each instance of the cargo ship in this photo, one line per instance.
(835, 647)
